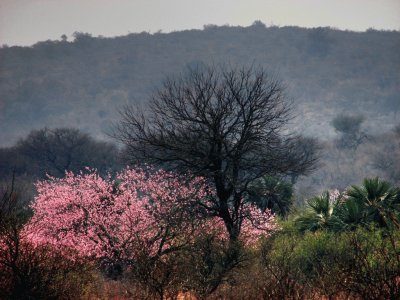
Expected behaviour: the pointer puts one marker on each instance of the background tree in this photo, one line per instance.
(55, 151)
(349, 127)
(227, 124)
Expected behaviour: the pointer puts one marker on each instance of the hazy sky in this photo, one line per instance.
(24, 22)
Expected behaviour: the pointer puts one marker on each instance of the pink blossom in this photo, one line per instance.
(140, 210)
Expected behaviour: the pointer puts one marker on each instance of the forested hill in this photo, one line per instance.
(82, 83)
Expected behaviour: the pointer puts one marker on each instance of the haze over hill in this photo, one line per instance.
(84, 82)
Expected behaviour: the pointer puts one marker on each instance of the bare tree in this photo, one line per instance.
(228, 125)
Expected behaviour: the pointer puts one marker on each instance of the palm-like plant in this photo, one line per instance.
(350, 213)
(375, 201)
(320, 214)
(272, 193)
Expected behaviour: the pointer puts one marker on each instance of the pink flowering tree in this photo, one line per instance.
(111, 218)
(140, 210)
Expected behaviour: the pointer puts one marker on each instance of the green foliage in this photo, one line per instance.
(375, 202)
(351, 214)
(272, 193)
(320, 214)
(362, 263)
(378, 201)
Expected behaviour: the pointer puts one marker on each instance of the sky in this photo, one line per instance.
(25, 22)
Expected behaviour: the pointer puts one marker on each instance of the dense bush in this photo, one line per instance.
(364, 263)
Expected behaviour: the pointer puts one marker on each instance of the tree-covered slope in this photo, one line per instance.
(83, 83)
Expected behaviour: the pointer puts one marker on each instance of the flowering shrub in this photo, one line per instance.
(140, 210)
(256, 223)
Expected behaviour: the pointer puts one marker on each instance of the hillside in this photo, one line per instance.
(83, 83)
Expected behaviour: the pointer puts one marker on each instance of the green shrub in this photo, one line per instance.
(362, 263)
